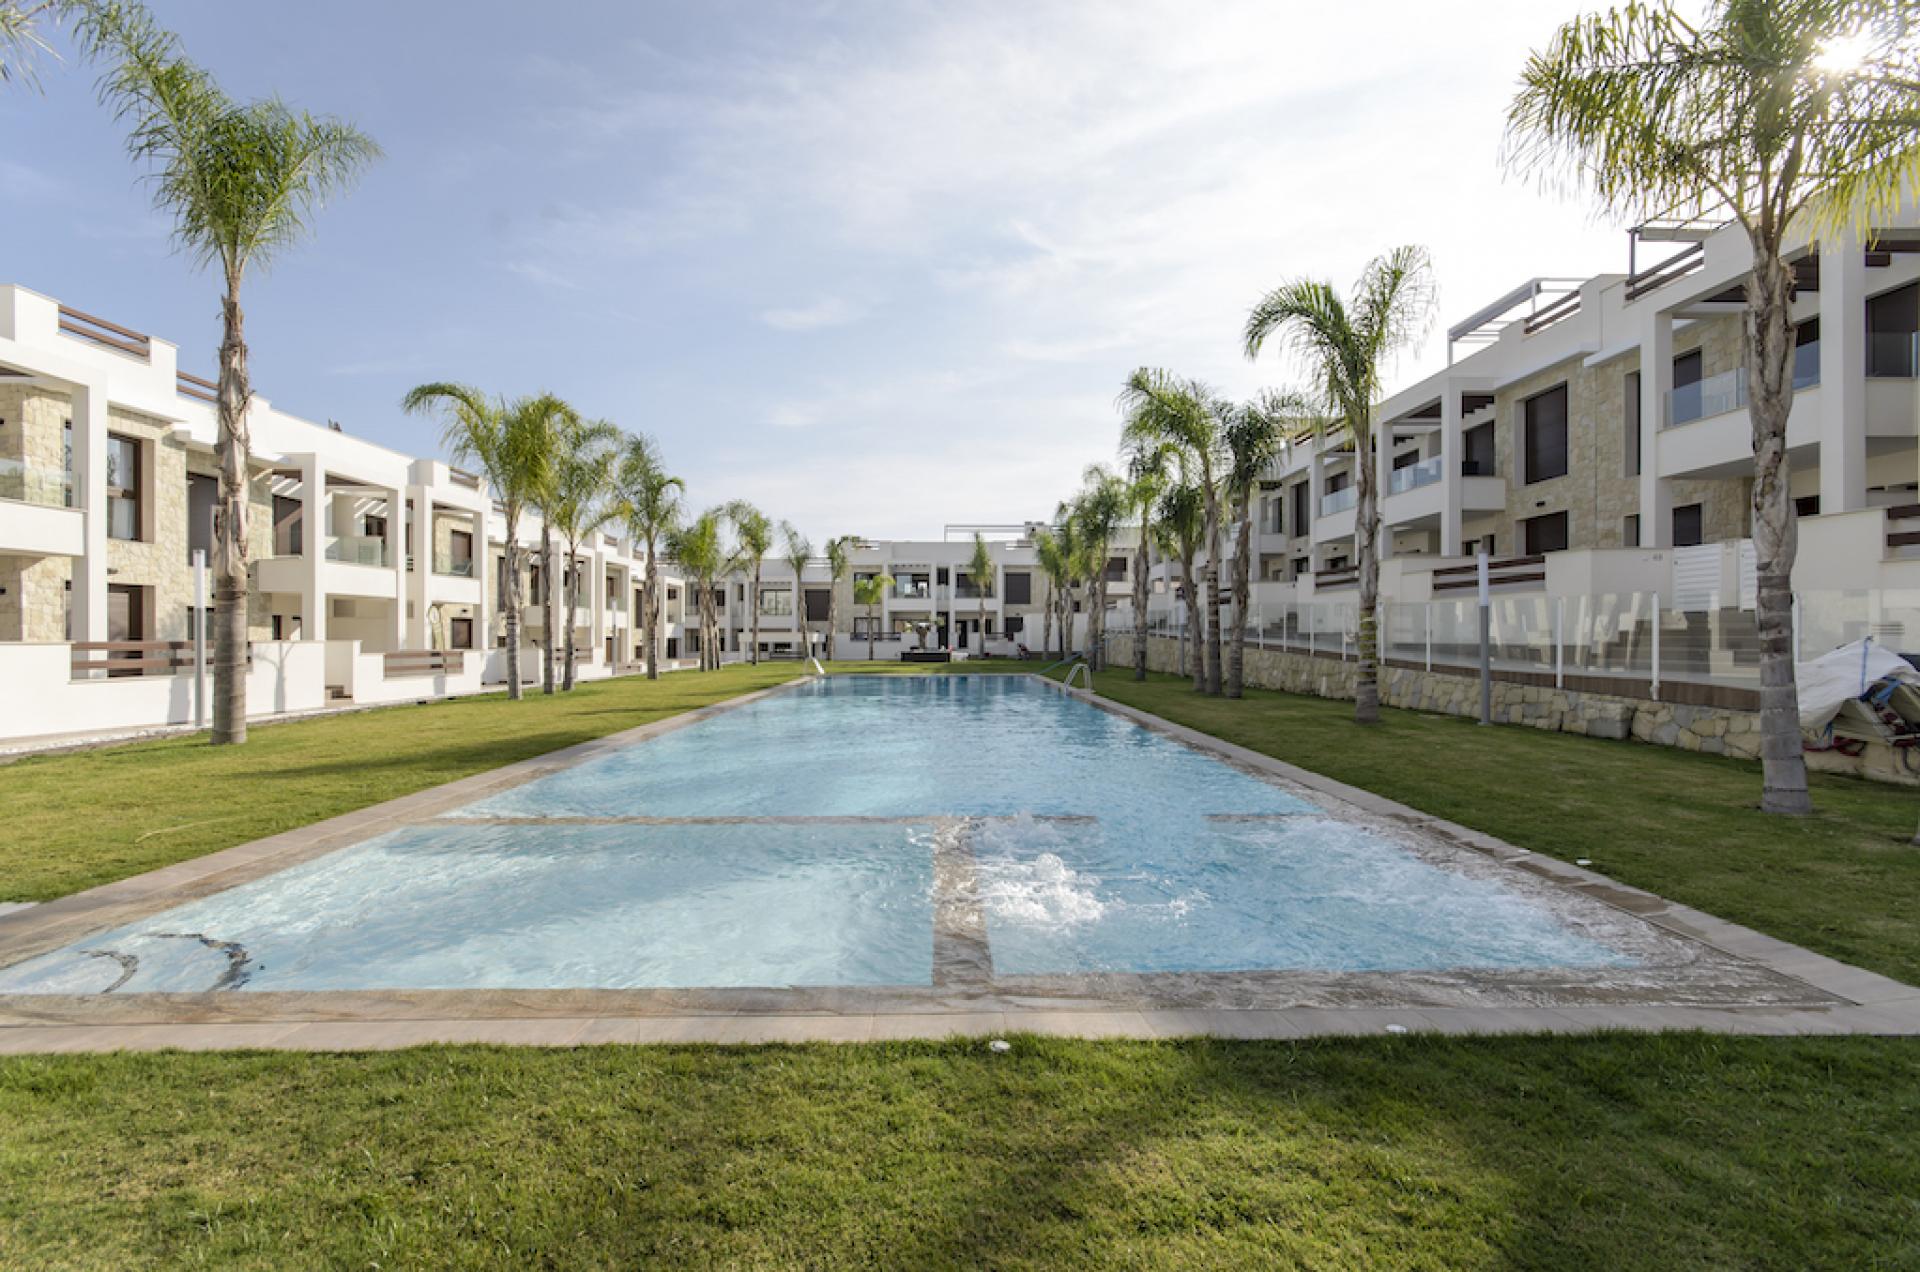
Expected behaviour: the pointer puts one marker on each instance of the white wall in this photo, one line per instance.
(43, 699)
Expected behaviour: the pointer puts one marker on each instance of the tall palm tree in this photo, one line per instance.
(510, 442)
(1189, 418)
(980, 570)
(1053, 567)
(870, 592)
(20, 41)
(797, 549)
(1100, 510)
(1146, 481)
(839, 562)
(1345, 346)
(649, 500)
(1182, 522)
(696, 546)
(242, 182)
(753, 536)
(1752, 111)
(586, 458)
(553, 577)
(1073, 561)
(1255, 436)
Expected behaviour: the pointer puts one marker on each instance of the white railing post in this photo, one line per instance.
(1656, 647)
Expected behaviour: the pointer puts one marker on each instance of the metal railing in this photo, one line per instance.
(108, 335)
(1719, 394)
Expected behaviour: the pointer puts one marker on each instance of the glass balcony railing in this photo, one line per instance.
(1716, 395)
(912, 591)
(22, 482)
(460, 567)
(1338, 500)
(1413, 476)
(358, 550)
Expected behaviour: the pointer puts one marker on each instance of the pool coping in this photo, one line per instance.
(1866, 1002)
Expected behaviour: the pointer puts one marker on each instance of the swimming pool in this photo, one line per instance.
(881, 831)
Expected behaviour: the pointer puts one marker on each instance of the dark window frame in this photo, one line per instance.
(1538, 452)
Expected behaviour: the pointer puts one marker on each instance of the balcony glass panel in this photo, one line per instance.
(1339, 501)
(1806, 365)
(1424, 473)
(35, 484)
(448, 563)
(358, 550)
(1893, 355)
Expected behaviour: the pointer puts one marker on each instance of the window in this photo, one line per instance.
(1015, 624)
(1630, 423)
(287, 526)
(1544, 423)
(673, 593)
(1338, 481)
(1630, 530)
(123, 487)
(460, 633)
(195, 618)
(1301, 567)
(817, 600)
(203, 497)
(1546, 534)
(1479, 458)
(776, 602)
(1807, 506)
(1687, 528)
(940, 576)
(1405, 459)
(1892, 319)
(1116, 569)
(1019, 588)
(1302, 514)
(126, 621)
(460, 550)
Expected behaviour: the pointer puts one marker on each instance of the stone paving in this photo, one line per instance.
(1690, 970)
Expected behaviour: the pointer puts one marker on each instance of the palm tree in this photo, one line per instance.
(1047, 551)
(753, 532)
(1754, 110)
(798, 552)
(511, 442)
(243, 183)
(1188, 418)
(1182, 521)
(696, 546)
(980, 571)
(20, 42)
(1072, 562)
(1255, 436)
(649, 501)
(839, 562)
(869, 592)
(586, 457)
(553, 579)
(1100, 510)
(1146, 481)
(1345, 345)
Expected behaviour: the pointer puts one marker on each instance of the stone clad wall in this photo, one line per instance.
(1712, 730)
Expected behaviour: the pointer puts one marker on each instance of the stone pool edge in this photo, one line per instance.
(1872, 1004)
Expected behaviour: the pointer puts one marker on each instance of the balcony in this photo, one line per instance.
(1424, 473)
(41, 485)
(37, 516)
(1338, 500)
(912, 591)
(358, 550)
(459, 567)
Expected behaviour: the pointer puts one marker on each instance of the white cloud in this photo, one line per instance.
(542, 276)
(830, 311)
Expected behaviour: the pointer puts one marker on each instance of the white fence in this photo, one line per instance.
(1638, 636)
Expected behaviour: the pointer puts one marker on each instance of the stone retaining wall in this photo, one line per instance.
(1714, 730)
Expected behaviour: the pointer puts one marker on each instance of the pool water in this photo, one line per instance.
(823, 836)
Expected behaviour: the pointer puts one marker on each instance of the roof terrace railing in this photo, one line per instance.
(194, 387)
(108, 335)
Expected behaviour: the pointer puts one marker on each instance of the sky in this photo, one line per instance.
(877, 267)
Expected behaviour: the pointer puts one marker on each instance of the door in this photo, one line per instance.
(125, 622)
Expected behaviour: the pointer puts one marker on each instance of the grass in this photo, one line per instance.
(1614, 1152)
(83, 818)
(1845, 881)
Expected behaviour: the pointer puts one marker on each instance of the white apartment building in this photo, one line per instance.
(376, 575)
(1592, 436)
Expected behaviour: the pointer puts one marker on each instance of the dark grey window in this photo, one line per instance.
(1630, 530)
(1019, 588)
(1545, 429)
(203, 498)
(1302, 514)
(1893, 318)
(1688, 526)
(1478, 460)
(1546, 534)
(1631, 423)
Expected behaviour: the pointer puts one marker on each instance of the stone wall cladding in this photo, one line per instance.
(1712, 730)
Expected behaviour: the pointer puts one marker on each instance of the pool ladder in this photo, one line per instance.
(1079, 668)
(818, 670)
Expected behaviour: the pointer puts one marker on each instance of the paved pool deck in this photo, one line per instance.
(1692, 971)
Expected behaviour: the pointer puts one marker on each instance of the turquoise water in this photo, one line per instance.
(1085, 842)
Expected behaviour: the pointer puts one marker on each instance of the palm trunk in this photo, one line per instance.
(230, 530)
(1775, 534)
(551, 583)
(1242, 594)
(650, 607)
(983, 625)
(1366, 533)
(573, 603)
(510, 600)
(1097, 616)
(1142, 566)
(833, 610)
(869, 633)
(1046, 622)
(1213, 590)
(1191, 586)
(754, 603)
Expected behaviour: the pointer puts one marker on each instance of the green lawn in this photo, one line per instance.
(1845, 881)
(85, 818)
(1612, 1152)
